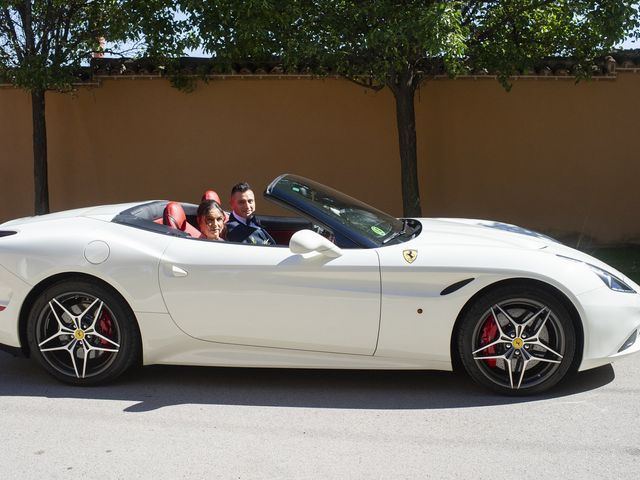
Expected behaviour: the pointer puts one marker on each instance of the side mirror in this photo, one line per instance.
(307, 241)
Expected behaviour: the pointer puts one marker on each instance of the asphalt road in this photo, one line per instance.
(188, 422)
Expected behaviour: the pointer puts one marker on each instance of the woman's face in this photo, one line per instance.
(212, 224)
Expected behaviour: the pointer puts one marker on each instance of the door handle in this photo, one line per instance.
(178, 272)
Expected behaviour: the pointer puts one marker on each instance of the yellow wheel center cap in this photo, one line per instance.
(517, 343)
(78, 334)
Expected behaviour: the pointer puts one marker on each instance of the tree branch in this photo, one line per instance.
(366, 84)
(64, 34)
(29, 39)
(10, 29)
(47, 24)
(55, 39)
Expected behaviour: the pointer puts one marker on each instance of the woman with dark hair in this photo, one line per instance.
(210, 217)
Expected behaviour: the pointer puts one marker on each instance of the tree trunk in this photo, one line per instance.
(404, 93)
(40, 173)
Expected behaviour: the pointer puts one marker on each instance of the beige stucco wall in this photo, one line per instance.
(549, 155)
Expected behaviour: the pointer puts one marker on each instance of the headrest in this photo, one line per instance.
(211, 195)
(174, 216)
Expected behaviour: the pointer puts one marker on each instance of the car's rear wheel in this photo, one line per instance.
(517, 340)
(82, 333)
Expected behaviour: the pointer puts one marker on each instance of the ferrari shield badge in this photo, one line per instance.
(410, 255)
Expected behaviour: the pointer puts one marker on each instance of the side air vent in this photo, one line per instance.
(456, 286)
(630, 341)
(6, 233)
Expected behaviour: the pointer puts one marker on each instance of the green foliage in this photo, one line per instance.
(349, 38)
(510, 36)
(184, 83)
(43, 43)
(381, 39)
(232, 30)
(158, 26)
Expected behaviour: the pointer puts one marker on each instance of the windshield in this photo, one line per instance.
(332, 206)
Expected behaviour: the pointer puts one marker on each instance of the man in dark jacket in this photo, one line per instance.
(242, 225)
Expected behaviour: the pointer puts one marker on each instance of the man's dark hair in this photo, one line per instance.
(240, 187)
(206, 206)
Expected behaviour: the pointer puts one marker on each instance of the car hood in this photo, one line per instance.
(464, 231)
(485, 233)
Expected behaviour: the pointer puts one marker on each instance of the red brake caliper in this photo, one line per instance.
(488, 334)
(106, 327)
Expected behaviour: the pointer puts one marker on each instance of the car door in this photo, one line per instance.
(270, 297)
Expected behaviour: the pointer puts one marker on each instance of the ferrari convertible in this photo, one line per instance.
(91, 292)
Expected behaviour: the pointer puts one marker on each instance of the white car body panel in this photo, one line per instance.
(131, 267)
(270, 307)
(164, 343)
(270, 297)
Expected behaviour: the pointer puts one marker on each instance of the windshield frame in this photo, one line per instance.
(352, 234)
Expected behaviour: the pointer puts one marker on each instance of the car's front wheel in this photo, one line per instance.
(82, 333)
(517, 340)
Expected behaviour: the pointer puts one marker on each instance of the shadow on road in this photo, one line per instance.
(161, 386)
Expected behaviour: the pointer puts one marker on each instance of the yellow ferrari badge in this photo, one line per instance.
(410, 255)
(517, 343)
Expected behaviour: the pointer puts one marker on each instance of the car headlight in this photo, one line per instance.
(611, 281)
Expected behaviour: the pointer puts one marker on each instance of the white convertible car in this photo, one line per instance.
(90, 292)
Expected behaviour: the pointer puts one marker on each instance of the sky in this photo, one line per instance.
(631, 44)
(627, 44)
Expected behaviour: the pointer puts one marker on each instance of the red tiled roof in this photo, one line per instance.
(553, 67)
(100, 68)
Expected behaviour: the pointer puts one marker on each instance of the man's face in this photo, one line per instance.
(243, 204)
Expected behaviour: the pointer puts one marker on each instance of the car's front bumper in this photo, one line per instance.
(609, 318)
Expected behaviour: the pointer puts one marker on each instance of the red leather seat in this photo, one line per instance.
(174, 217)
(211, 195)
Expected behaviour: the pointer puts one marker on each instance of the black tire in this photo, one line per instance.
(82, 333)
(530, 347)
